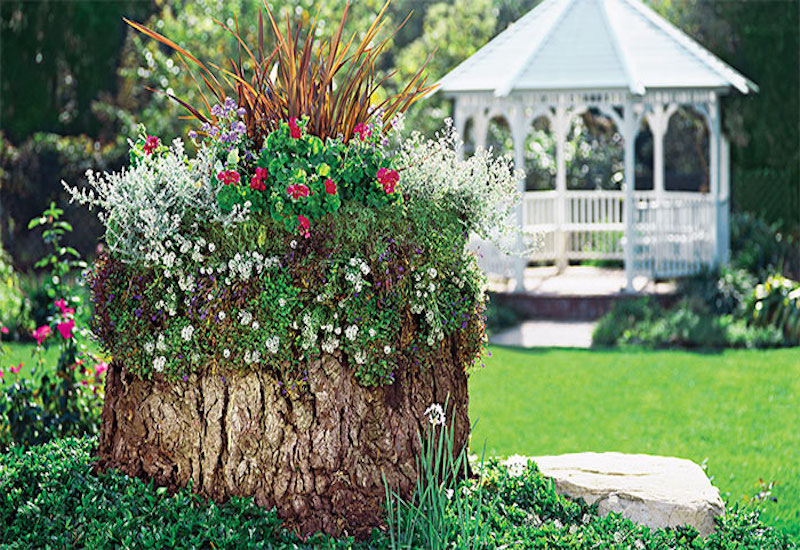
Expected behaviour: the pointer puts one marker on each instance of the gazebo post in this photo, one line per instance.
(561, 127)
(629, 137)
(725, 200)
(714, 145)
(519, 133)
(658, 121)
(460, 125)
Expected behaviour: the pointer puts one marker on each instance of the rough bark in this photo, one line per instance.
(318, 457)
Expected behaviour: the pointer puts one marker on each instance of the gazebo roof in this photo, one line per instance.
(592, 44)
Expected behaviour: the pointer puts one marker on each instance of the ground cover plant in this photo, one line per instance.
(51, 498)
(735, 410)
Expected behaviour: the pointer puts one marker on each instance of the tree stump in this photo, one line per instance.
(318, 456)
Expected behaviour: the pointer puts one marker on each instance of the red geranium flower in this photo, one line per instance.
(257, 181)
(330, 186)
(362, 131)
(294, 129)
(297, 191)
(388, 178)
(150, 144)
(229, 177)
(257, 184)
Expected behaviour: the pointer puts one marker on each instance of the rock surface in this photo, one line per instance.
(656, 491)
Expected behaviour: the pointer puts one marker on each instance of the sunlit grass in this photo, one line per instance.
(739, 410)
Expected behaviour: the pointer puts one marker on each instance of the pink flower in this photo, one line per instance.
(3, 330)
(297, 191)
(41, 334)
(100, 368)
(330, 186)
(229, 177)
(388, 178)
(362, 131)
(257, 181)
(16, 369)
(304, 224)
(150, 144)
(1, 373)
(62, 305)
(65, 328)
(294, 130)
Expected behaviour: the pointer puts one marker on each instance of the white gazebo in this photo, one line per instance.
(621, 59)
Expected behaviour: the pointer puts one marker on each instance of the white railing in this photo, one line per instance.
(672, 236)
(590, 225)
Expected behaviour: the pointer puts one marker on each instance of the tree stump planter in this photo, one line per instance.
(318, 456)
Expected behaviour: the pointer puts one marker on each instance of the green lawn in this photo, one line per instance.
(24, 353)
(738, 410)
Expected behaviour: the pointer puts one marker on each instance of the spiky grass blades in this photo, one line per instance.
(332, 82)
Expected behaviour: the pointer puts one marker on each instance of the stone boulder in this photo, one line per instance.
(656, 491)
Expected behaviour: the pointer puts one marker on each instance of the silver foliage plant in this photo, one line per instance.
(481, 189)
(151, 210)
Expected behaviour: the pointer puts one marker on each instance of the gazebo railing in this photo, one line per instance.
(672, 231)
(673, 234)
(583, 225)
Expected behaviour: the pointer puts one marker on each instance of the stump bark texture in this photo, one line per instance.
(317, 456)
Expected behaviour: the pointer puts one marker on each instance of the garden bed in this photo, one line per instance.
(51, 487)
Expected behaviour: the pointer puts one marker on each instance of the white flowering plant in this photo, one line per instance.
(226, 260)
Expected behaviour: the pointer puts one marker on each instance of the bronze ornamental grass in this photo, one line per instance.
(331, 82)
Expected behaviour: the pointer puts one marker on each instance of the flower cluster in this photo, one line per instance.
(272, 257)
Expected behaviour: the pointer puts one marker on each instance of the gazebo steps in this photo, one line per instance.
(569, 307)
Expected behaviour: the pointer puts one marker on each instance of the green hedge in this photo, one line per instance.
(49, 498)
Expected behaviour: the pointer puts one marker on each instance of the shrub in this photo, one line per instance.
(52, 499)
(726, 292)
(624, 316)
(776, 304)
(688, 324)
(760, 248)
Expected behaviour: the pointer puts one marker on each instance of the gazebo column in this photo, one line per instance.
(714, 164)
(725, 200)
(560, 129)
(519, 133)
(629, 136)
(658, 121)
(460, 118)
